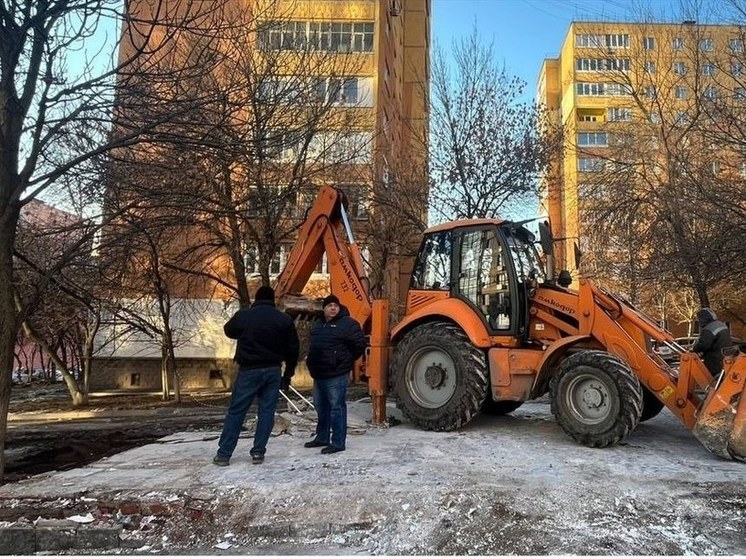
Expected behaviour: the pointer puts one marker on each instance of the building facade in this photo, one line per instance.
(342, 88)
(641, 107)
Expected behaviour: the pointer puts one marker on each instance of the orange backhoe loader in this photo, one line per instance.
(487, 327)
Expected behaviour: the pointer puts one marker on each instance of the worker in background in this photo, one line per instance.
(266, 337)
(336, 341)
(714, 336)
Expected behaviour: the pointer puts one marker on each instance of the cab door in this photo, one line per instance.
(485, 279)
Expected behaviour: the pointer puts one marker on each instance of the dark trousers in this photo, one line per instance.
(263, 384)
(330, 401)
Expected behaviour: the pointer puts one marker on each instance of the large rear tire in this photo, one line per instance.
(596, 398)
(651, 405)
(440, 379)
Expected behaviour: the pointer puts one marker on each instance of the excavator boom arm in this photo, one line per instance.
(324, 231)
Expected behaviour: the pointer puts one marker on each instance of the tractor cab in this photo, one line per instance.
(491, 265)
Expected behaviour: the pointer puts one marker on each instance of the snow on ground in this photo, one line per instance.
(502, 485)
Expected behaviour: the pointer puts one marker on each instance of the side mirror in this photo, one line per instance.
(545, 238)
(564, 279)
(578, 254)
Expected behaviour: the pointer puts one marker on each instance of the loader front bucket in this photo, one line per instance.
(721, 420)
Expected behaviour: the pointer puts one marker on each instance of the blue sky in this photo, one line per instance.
(525, 32)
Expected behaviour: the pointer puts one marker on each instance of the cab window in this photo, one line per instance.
(433, 267)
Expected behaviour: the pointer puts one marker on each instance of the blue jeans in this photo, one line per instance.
(330, 401)
(265, 385)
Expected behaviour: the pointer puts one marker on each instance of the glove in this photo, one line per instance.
(285, 383)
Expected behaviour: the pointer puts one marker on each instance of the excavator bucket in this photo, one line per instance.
(300, 307)
(721, 420)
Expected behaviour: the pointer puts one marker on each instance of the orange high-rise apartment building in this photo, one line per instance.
(643, 79)
(387, 93)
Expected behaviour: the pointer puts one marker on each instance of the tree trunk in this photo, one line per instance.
(704, 299)
(90, 339)
(172, 367)
(78, 397)
(8, 318)
(165, 384)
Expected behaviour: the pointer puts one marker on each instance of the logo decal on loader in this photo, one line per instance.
(666, 392)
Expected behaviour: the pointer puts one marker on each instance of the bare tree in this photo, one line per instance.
(486, 152)
(282, 117)
(53, 118)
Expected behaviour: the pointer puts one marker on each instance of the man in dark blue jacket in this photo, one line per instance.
(266, 337)
(336, 342)
(714, 336)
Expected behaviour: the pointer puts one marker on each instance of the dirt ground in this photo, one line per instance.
(502, 485)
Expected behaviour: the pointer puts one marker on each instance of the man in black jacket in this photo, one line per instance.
(266, 337)
(714, 336)
(336, 342)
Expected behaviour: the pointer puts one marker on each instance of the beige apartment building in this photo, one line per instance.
(636, 80)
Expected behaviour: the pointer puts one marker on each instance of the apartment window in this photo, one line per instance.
(344, 37)
(587, 118)
(708, 69)
(287, 35)
(135, 379)
(324, 36)
(592, 139)
(710, 93)
(715, 167)
(649, 91)
(654, 118)
(303, 201)
(681, 92)
(602, 64)
(586, 40)
(590, 164)
(339, 91)
(362, 37)
(706, 45)
(736, 69)
(648, 43)
(679, 68)
(357, 196)
(736, 45)
(611, 41)
(619, 114)
(277, 262)
(584, 88)
(650, 67)
(743, 170)
(616, 41)
(341, 147)
(341, 34)
(617, 89)
(678, 43)
(681, 118)
(281, 144)
(740, 94)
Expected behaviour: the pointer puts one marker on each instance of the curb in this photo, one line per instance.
(23, 538)
(56, 535)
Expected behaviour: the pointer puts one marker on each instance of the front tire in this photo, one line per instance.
(596, 398)
(440, 378)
